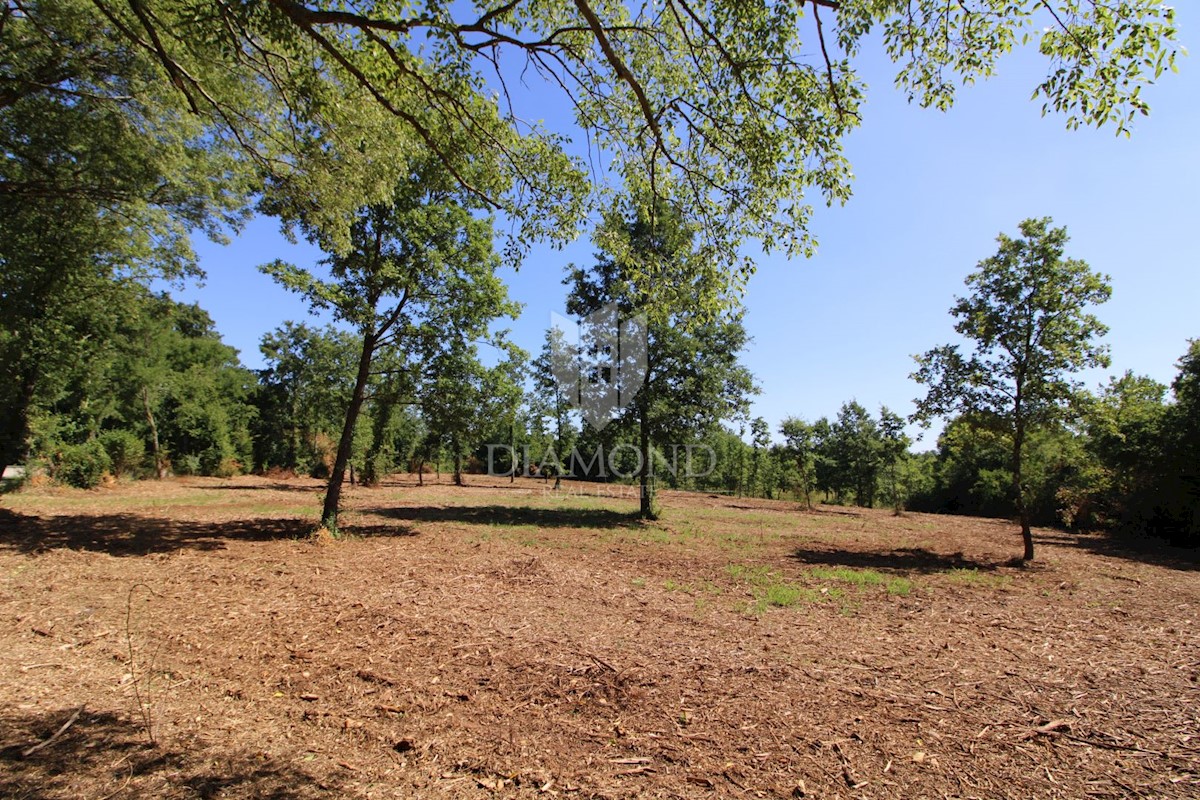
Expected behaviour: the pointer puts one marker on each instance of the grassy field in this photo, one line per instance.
(503, 640)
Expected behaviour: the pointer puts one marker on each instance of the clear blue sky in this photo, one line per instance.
(931, 193)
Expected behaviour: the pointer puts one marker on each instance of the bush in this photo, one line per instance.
(82, 465)
(126, 451)
(227, 468)
(187, 465)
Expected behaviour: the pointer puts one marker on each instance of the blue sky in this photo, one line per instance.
(932, 191)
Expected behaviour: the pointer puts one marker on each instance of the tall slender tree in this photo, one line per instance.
(649, 264)
(549, 401)
(1028, 324)
(420, 267)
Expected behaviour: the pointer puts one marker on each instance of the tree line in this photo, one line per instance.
(376, 131)
(160, 393)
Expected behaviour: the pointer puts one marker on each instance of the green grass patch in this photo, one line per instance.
(858, 577)
(862, 578)
(770, 590)
(786, 595)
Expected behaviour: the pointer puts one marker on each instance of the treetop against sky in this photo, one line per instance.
(740, 112)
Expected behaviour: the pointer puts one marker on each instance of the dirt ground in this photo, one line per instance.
(503, 640)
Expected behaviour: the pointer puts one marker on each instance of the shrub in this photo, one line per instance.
(82, 465)
(227, 468)
(126, 451)
(188, 464)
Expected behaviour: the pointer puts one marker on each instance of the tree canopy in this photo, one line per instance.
(1028, 323)
(734, 111)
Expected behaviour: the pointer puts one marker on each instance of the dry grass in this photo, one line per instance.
(505, 640)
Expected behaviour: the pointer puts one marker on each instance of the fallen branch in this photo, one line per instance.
(1053, 726)
(28, 751)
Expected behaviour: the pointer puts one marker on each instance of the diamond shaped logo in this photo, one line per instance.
(600, 362)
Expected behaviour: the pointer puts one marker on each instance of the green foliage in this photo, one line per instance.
(156, 375)
(649, 265)
(126, 452)
(1143, 477)
(1029, 328)
(1028, 323)
(81, 465)
(735, 111)
(419, 284)
(190, 387)
(801, 444)
(302, 395)
(104, 177)
(551, 416)
(970, 473)
(1180, 516)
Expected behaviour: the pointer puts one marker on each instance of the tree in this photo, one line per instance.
(103, 177)
(760, 441)
(153, 376)
(649, 264)
(1180, 505)
(1124, 428)
(799, 437)
(894, 447)
(462, 396)
(854, 448)
(394, 422)
(421, 268)
(302, 395)
(548, 400)
(1029, 328)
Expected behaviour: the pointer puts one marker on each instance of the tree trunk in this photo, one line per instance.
(512, 441)
(898, 506)
(648, 508)
(333, 495)
(155, 448)
(1018, 489)
(294, 455)
(458, 478)
(383, 412)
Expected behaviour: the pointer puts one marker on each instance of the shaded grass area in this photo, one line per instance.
(545, 517)
(905, 559)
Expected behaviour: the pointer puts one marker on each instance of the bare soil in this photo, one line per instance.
(503, 640)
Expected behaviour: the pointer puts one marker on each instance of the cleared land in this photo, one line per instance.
(506, 641)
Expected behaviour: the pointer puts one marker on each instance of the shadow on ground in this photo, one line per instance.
(132, 535)
(1146, 549)
(510, 515)
(102, 755)
(274, 486)
(906, 559)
